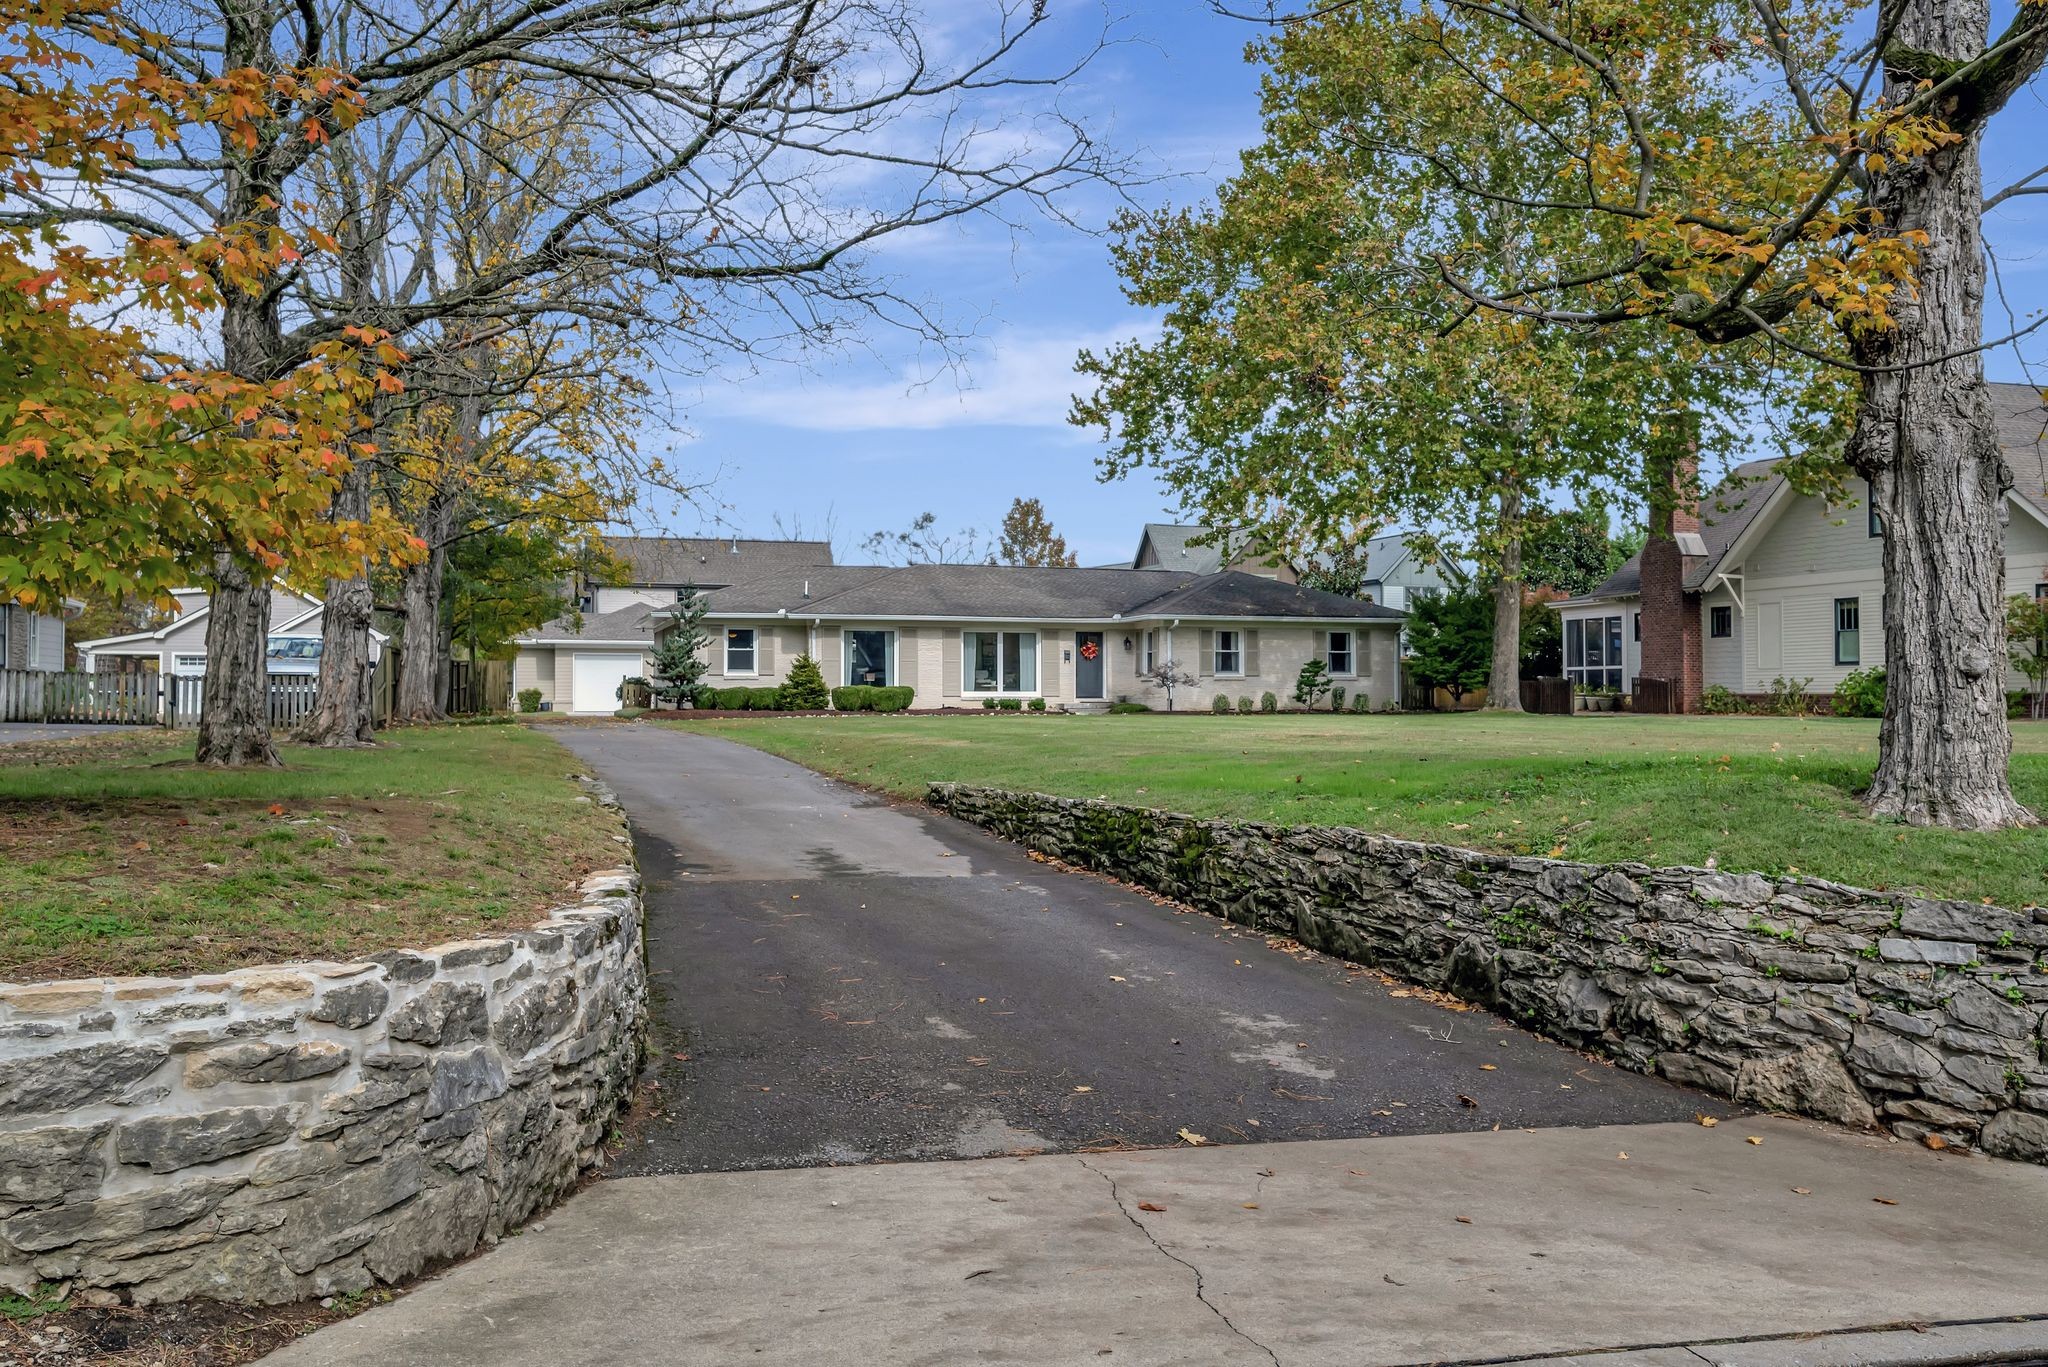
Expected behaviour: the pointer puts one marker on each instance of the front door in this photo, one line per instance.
(1088, 665)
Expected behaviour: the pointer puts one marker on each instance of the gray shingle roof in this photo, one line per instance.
(634, 623)
(1727, 512)
(1021, 593)
(674, 560)
(1170, 543)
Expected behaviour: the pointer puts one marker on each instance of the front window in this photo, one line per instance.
(1848, 631)
(870, 658)
(1152, 650)
(1229, 652)
(1721, 621)
(1340, 652)
(1592, 652)
(739, 650)
(1000, 661)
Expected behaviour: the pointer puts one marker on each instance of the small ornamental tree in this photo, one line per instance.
(1312, 684)
(1168, 675)
(2026, 644)
(1450, 637)
(677, 666)
(804, 690)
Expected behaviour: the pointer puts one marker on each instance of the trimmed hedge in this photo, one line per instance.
(732, 699)
(870, 698)
(764, 700)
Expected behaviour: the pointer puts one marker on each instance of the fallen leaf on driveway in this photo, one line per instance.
(1755, 1139)
(1084, 1089)
(1188, 1136)
(1489, 1067)
(1114, 978)
(1622, 1156)
(1935, 1141)
(1251, 1205)
(978, 1272)
(1802, 1191)
(1154, 1208)
(1464, 1219)
(1707, 1121)
(1466, 1100)
(1884, 1200)
(1358, 1172)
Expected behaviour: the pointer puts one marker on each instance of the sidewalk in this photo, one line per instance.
(1352, 1252)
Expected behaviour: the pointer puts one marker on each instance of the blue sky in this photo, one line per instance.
(867, 439)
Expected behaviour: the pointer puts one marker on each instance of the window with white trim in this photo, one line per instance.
(1229, 655)
(999, 661)
(739, 651)
(1848, 631)
(1151, 651)
(1592, 652)
(1721, 621)
(1342, 662)
(871, 658)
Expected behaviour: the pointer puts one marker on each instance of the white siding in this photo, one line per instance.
(612, 599)
(1721, 659)
(534, 667)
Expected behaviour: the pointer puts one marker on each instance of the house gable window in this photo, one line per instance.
(1342, 661)
(1229, 657)
(739, 651)
(1592, 652)
(999, 661)
(1721, 621)
(1848, 631)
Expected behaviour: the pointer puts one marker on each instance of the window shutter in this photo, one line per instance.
(1206, 665)
(1251, 652)
(1050, 683)
(764, 650)
(1361, 653)
(950, 682)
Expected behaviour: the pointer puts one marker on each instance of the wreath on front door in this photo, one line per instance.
(1089, 650)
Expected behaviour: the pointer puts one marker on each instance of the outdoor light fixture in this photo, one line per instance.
(1127, 645)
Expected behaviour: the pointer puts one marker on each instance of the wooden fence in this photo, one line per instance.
(1549, 696)
(1654, 695)
(72, 696)
(1416, 696)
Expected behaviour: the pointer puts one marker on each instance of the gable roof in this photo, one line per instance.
(631, 625)
(1018, 593)
(1172, 548)
(190, 612)
(672, 561)
(1755, 486)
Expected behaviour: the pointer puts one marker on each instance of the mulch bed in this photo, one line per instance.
(189, 1334)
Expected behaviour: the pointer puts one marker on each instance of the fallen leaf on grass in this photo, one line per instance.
(1188, 1136)
(1155, 1208)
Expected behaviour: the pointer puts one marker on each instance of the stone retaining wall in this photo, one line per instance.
(277, 1133)
(1791, 994)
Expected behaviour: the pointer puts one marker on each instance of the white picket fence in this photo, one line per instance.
(72, 696)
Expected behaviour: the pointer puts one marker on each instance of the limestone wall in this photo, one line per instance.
(1792, 994)
(311, 1129)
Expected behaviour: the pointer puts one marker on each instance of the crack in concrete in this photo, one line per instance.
(1201, 1290)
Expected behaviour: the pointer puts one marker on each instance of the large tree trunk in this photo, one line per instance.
(1926, 441)
(421, 678)
(234, 719)
(1504, 677)
(341, 708)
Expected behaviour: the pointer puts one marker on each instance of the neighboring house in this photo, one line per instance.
(1396, 572)
(179, 646)
(29, 639)
(656, 566)
(1774, 584)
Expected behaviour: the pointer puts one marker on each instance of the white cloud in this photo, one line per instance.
(1024, 380)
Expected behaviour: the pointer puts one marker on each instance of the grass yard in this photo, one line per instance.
(1750, 793)
(119, 856)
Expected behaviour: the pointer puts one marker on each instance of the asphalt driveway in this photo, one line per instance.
(841, 979)
(22, 732)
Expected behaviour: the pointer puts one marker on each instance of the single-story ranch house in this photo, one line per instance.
(958, 634)
(1775, 583)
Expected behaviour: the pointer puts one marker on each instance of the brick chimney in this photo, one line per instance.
(1671, 647)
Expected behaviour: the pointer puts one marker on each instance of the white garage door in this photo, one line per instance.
(594, 681)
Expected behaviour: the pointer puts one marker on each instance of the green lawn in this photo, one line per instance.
(1751, 793)
(120, 856)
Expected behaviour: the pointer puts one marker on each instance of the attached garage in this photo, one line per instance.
(594, 678)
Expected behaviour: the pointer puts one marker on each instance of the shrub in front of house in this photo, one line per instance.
(1861, 694)
(732, 699)
(1721, 701)
(804, 690)
(851, 698)
(1337, 693)
(1788, 697)
(1245, 707)
(988, 704)
(706, 696)
(1010, 704)
(1361, 703)
(1269, 702)
(764, 700)
(895, 698)
(1127, 709)
(1220, 705)
(1037, 704)
(529, 700)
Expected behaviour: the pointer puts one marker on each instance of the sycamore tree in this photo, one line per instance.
(1308, 384)
(1797, 174)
